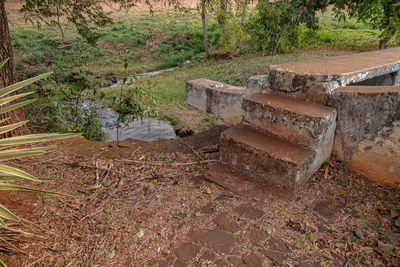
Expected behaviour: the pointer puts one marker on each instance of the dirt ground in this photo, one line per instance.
(147, 204)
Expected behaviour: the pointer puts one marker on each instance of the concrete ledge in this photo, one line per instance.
(221, 101)
(334, 72)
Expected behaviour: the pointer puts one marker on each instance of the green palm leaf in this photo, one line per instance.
(19, 153)
(8, 128)
(16, 106)
(33, 138)
(13, 187)
(7, 214)
(4, 169)
(4, 120)
(1, 65)
(9, 99)
(16, 86)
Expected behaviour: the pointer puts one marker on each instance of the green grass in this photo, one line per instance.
(145, 42)
(347, 35)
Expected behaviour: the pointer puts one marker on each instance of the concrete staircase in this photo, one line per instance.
(281, 142)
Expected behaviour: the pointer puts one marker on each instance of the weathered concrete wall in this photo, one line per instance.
(396, 78)
(370, 123)
(221, 101)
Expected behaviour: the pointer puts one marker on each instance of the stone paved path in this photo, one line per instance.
(223, 241)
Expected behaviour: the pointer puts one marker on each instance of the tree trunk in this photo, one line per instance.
(244, 9)
(222, 22)
(203, 21)
(386, 38)
(7, 72)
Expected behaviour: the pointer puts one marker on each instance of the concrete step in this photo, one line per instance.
(298, 122)
(266, 157)
(221, 101)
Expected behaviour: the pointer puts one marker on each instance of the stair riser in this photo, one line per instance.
(263, 167)
(309, 132)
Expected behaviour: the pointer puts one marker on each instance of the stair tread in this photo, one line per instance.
(272, 145)
(292, 105)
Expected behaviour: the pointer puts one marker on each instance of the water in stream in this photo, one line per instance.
(147, 129)
(129, 79)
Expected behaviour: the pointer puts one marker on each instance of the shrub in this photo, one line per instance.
(275, 25)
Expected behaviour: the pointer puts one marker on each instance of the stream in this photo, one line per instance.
(147, 129)
(140, 75)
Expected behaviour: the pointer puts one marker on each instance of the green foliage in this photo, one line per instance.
(236, 38)
(85, 15)
(64, 109)
(275, 25)
(184, 42)
(383, 15)
(135, 100)
(349, 34)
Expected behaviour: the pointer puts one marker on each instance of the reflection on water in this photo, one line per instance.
(146, 130)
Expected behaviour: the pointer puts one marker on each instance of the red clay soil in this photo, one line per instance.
(147, 205)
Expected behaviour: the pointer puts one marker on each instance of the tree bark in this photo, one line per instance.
(7, 72)
(203, 21)
(222, 22)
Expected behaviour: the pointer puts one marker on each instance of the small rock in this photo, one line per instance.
(397, 222)
(208, 209)
(276, 257)
(150, 189)
(252, 260)
(385, 247)
(367, 250)
(391, 238)
(394, 213)
(227, 223)
(359, 232)
(166, 252)
(325, 208)
(249, 211)
(219, 241)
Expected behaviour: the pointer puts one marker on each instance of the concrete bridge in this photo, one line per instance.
(286, 123)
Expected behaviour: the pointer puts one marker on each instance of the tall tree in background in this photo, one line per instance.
(7, 72)
(203, 6)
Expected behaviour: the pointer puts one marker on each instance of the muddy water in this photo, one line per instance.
(147, 129)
